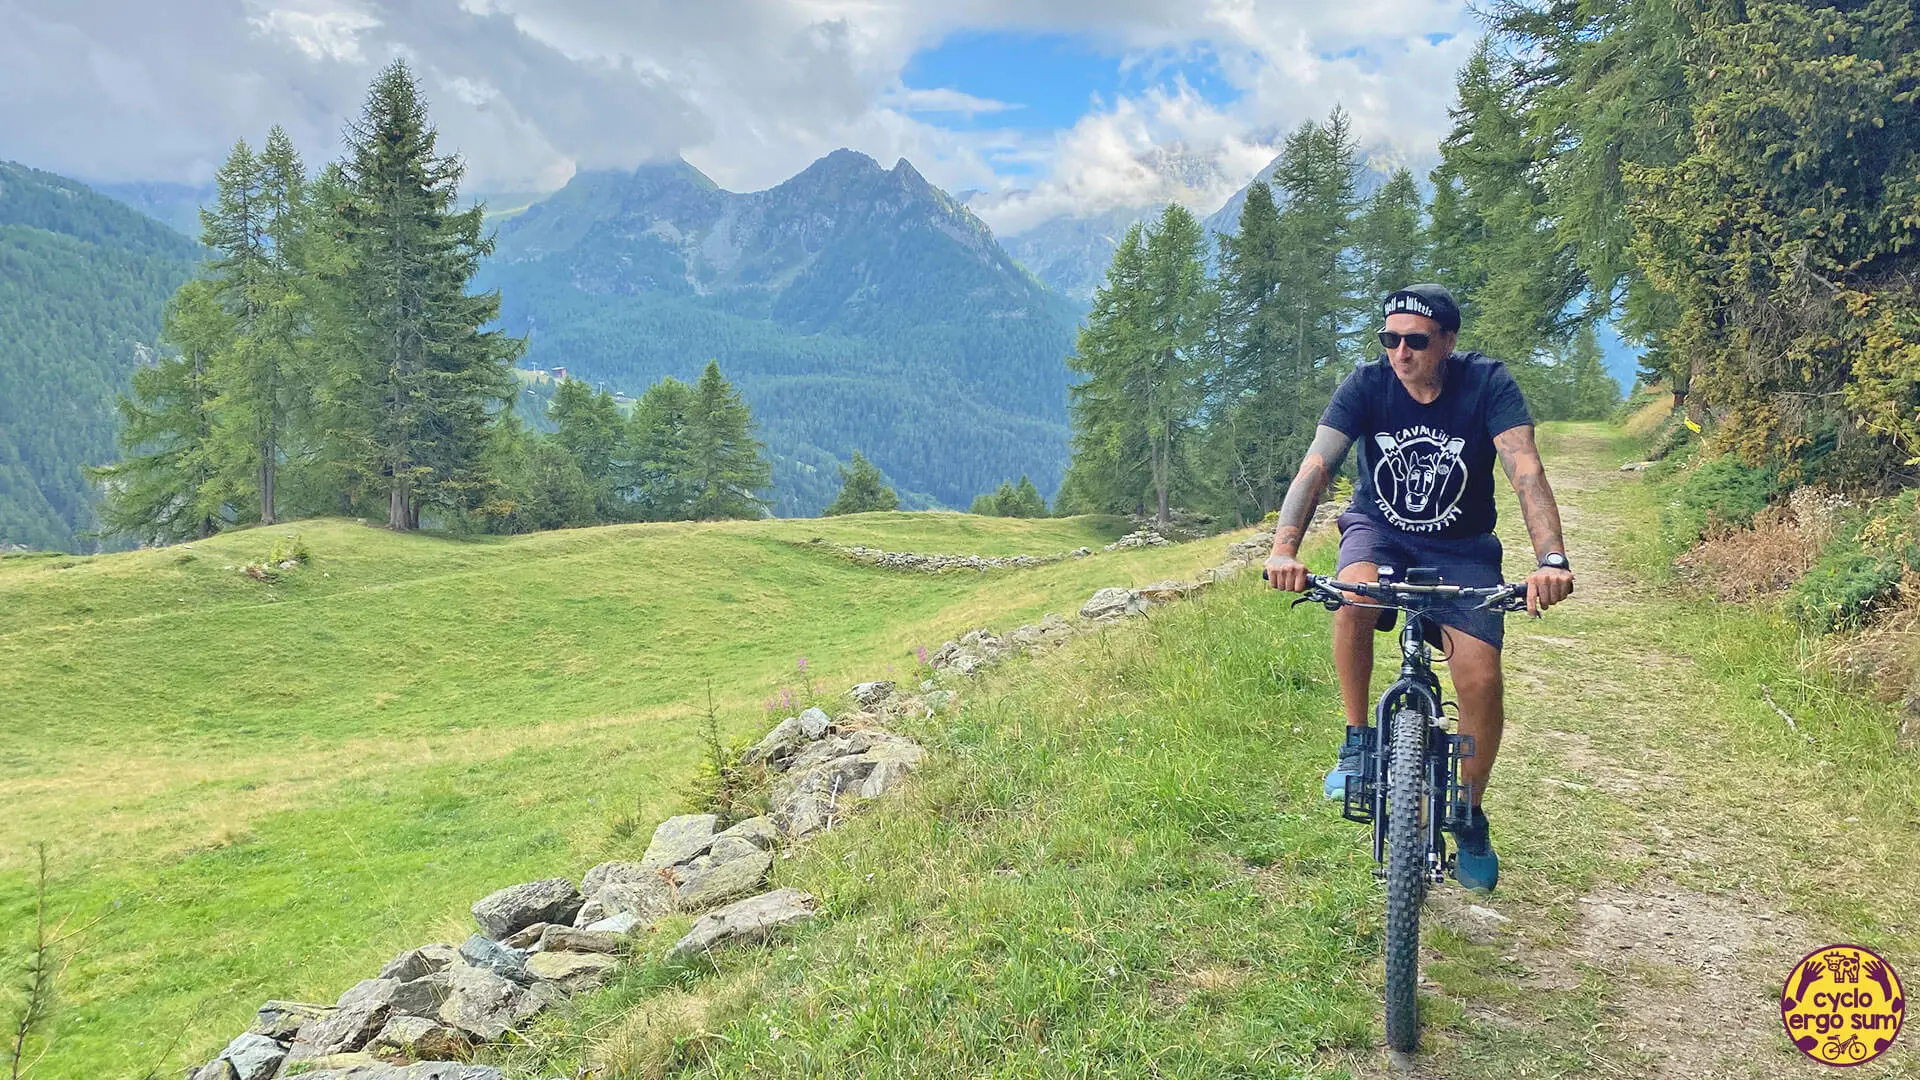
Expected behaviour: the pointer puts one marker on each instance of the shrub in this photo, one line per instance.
(1858, 576)
(1721, 493)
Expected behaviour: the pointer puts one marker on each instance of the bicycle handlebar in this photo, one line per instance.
(1509, 597)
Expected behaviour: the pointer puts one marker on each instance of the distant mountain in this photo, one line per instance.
(1070, 254)
(177, 206)
(1226, 220)
(83, 281)
(856, 307)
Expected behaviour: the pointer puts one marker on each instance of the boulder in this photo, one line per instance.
(353, 1063)
(492, 956)
(254, 1057)
(814, 723)
(217, 1069)
(572, 971)
(646, 898)
(869, 695)
(343, 1030)
(759, 831)
(422, 996)
(375, 991)
(729, 848)
(554, 900)
(804, 813)
(678, 839)
(283, 1020)
(886, 776)
(527, 937)
(1165, 592)
(590, 912)
(568, 939)
(699, 890)
(421, 1037)
(778, 745)
(365, 1067)
(416, 963)
(746, 920)
(486, 1006)
(1113, 603)
(621, 924)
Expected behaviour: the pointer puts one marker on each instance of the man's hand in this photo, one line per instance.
(1547, 587)
(1286, 572)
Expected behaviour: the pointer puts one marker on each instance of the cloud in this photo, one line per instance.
(749, 90)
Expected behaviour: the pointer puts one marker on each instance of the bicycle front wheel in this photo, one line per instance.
(1406, 875)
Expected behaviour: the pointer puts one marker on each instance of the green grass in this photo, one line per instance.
(266, 790)
(1118, 863)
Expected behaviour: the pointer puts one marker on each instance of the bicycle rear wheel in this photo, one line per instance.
(1406, 875)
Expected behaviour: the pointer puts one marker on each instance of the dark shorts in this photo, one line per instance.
(1473, 561)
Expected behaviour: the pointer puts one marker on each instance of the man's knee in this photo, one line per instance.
(1358, 620)
(1475, 667)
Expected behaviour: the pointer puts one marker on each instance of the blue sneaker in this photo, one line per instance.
(1476, 867)
(1348, 765)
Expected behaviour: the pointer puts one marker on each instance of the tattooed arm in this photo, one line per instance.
(1323, 457)
(1521, 460)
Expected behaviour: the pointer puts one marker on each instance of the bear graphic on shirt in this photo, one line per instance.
(1419, 478)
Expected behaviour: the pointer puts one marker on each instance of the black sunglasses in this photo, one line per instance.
(1391, 340)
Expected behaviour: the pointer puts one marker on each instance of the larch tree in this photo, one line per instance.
(727, 466)
(863, 490)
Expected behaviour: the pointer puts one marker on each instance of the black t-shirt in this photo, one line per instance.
(1428, 468)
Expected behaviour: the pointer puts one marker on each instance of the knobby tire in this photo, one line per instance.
(1406, 876)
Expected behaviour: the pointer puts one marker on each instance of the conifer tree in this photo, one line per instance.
(726, 464)
(165, 489)
(592, 431)
(1390, 239)
(419, 372)
(862, 490)
(1027, 501)
(657, 434)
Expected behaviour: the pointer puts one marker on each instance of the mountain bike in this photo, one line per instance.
(1408, 787)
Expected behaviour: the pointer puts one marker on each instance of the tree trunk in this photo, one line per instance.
(1162, 467)
(399, 507)
(266, 487)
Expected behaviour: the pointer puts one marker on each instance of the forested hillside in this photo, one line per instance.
(83, 280)
(855, 307)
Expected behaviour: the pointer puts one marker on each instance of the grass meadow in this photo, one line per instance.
(265, 789)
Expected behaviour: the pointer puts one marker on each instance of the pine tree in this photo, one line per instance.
(1027, 501)
(726, 464)
(592, 431)
(1390, 239)
(420, 373)
(862, 490)
(256, 228)
(1145, 351)
(659, 476)
(165, 489)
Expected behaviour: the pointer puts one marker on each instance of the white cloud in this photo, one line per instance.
(749, 90)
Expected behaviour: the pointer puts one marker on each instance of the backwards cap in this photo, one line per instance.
(1432, 301)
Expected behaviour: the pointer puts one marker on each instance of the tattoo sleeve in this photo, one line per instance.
(1521, 460)
(1323, 457)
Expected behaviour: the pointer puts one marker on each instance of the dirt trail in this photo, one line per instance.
(1633, 934)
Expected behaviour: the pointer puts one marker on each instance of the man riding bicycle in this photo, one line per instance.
(1429, 422)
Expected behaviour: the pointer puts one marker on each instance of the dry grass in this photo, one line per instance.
(1884, 659)
(1782, 545)
(1649, 417)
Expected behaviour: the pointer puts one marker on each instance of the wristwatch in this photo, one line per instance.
(1554, 560)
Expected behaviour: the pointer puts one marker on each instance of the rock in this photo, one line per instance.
(778, 745)
(1113, 603)
(1636, 466)
(1486, 916)
(646, 898)
(254, 1057)
(283, 1020)
(568, 939)
(422, 996)
(621, 924)
(508, 963)
(354, 1063)
(1081, 552)
(804, 814)
(217, 1069)
(415, 963)
(554, 900)
(1165, 592)
(614, 873)
(699, 890)
(678, 839)
(886, 776)
(590, 912)
(761, 832)
(343, 1030)
(870, 694)
(814, 723)
(486, 1006)
(572, 971)
(527, 937)
(421, 1037)
(729, 848)
(367, 1067)
(375, 991)
(744, 921)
